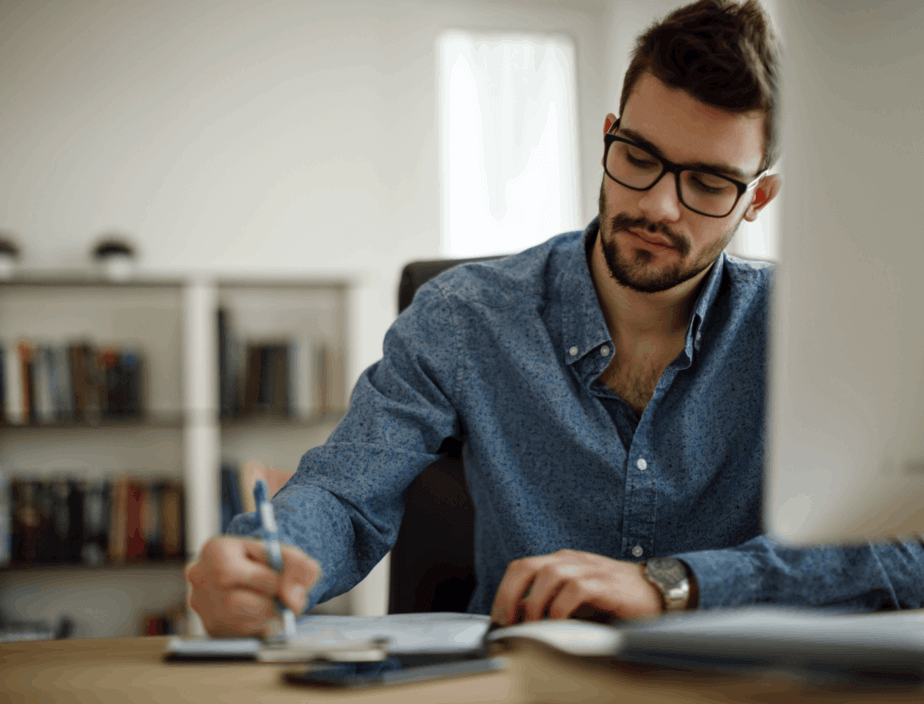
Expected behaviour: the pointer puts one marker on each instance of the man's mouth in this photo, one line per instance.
(650, 240)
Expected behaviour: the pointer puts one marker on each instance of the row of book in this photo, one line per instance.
(170, 622)
(275, 378)
(79, 383)
(90, 521)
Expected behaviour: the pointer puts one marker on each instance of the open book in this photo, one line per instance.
(867, 647)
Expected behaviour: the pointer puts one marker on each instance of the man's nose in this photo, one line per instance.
(660, 202)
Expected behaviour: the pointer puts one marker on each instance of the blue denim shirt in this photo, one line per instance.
(506, 356)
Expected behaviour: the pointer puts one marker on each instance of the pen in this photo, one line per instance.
(273, 551)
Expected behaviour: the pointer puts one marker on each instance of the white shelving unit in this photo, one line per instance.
(180, 436)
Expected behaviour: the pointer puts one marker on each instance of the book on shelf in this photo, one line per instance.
(173, 521)
(172, 621)
(279, 378)
(6, 519)
(95, 544)
(92, 521)
(46, 384)
(135, 546)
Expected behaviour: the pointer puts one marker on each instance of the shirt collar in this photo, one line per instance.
(583, 325)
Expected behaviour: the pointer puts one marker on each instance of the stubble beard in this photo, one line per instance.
(635, 270)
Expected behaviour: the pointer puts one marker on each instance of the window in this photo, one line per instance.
(508, 148)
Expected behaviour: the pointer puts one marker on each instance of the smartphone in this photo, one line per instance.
(397, 669)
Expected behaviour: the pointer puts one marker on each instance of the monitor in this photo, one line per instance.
(846, 380)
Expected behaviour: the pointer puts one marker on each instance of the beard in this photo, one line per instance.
(634, 269)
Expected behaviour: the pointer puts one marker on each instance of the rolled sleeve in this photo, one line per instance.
(855, 578)
(344, 504)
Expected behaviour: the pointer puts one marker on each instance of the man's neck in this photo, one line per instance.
(634, 316)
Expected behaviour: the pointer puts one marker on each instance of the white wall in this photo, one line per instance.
(245, 137)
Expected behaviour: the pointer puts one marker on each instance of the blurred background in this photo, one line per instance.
(254, 177)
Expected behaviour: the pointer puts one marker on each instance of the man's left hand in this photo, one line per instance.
(555, 586)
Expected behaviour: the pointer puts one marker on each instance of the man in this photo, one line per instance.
(609, 386)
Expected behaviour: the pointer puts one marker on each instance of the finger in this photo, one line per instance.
(239, 572)
(226, 563)
(576, 594)
(517, 580)
(300, 572)
(545, 587)
(239, 613)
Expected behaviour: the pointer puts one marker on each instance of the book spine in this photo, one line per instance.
(279, 381)
(6, 520)
(26, 383)
(117, 522)
(135, 548)
(61, 522)
(252, 394)
(47, 540)
(293, 376)
(173, 521)
(109, 376)
(151, 522)
(14, 409)
(43, 410)
(75, 500)
(3, 394)
(64, 395)
(133, 368)
(96, 518)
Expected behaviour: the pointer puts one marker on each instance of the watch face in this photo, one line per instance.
(668, 570)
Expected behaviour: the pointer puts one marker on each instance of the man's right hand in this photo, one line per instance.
(234, 588)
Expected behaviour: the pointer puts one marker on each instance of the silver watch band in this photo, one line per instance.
(672, 578)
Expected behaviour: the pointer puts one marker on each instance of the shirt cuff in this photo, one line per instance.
(725, 578)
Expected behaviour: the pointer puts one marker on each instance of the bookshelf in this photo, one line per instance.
(264, 385)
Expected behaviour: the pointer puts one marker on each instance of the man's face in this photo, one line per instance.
(651, 242)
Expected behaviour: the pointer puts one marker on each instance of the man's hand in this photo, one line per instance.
(556, 586)
(233, 586)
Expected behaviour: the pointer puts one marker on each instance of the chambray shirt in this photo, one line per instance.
(506, 356)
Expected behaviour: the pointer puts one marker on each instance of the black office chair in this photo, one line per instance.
(433, 559)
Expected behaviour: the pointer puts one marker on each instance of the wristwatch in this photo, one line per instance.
(672, 578)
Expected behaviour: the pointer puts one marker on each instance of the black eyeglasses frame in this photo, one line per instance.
(675, 169)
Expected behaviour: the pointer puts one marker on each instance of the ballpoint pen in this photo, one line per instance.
(274, 552)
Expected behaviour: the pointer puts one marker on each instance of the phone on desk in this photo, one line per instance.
(397, 669)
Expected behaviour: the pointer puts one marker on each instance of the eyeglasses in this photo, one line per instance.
(702, 191)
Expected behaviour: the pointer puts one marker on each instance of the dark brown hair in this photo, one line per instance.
(723, 53)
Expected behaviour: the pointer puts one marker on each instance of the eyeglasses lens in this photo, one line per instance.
(701, 191)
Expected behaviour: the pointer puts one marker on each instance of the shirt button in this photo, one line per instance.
(573, 350)
(637, 551)
(641, 464)
(604, 351)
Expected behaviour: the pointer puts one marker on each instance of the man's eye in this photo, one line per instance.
(639, 160)
(710, 185)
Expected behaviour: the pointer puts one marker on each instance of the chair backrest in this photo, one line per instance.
(433, 559)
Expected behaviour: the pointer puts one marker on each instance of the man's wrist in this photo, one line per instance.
(674, 581)
(693, 601)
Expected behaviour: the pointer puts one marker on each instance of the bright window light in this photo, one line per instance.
(508, 148)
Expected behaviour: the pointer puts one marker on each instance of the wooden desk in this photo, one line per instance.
(121, 670)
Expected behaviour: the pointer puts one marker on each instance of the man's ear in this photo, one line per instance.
(607, 123)
(767, 190)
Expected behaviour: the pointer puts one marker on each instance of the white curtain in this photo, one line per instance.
(508, 148)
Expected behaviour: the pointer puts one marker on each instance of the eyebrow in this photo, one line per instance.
(732, 171)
